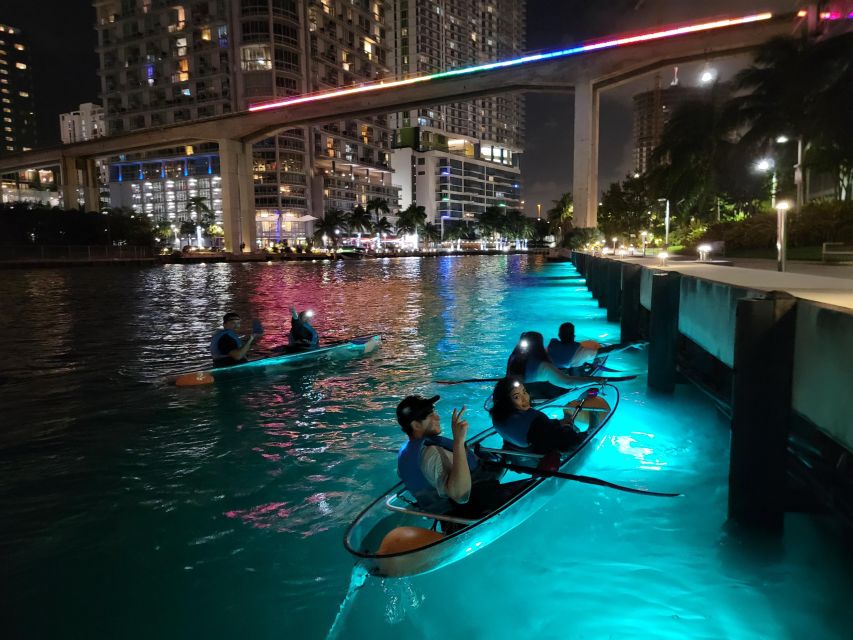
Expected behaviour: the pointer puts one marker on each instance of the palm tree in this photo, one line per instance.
(456, 232)
(382, 228)
(492, 222)
(377, 206)
(519, 225)
(188, 230)
(411, 219)
(332, 225)
(431, 232)
(359, 222)
(560, 216)
(199, 212)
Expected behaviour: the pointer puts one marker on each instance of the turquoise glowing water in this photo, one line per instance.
(129, 508)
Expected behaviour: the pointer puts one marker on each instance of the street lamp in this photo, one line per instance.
(177, 241)
(614, 243)
(644, 235)
(665, 223)
(781, 233)
(764, 165)
(708, 75)
(538, 211)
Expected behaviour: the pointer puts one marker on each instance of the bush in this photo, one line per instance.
(818, 222)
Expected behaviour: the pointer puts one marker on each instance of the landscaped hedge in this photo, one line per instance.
(818, 222)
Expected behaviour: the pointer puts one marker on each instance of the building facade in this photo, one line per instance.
(458, 159)
(652, 111)
(164, 61)
(87, 123)
(17, 106)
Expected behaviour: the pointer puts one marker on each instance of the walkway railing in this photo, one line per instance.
(65, 253)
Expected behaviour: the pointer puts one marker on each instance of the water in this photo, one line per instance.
(134, 509)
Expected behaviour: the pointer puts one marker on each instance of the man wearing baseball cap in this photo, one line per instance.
(442, 474)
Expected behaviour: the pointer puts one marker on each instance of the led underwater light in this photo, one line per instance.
(538, 57)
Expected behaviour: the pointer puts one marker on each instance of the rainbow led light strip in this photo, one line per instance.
(597, 46)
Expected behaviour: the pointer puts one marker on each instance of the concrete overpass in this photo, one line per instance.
(585, 70)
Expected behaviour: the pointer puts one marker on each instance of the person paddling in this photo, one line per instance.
(568, 353)
(302, 333)
(442, 474)
(523, 427)
(530, 364)
(226, 346)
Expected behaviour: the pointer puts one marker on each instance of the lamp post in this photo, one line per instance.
(665, 223)
(764, 165)
(177, 241)
(644, 235)
(538, 211)
(614, 243)
(781, 233)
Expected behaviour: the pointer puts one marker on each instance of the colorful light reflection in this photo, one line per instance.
(595, 46)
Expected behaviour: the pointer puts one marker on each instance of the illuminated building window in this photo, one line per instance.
(20, 47)
(20, 65)
(205, 34)
(256, 57)
(23, 94)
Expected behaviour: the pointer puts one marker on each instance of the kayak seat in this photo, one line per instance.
(393, 503)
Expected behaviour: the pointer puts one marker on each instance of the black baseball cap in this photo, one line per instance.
(414, 408)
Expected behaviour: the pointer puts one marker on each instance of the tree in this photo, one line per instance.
(625, 208)
(492, 222)
(560, 216)
(377, 206)
(332, 225)
(382, 226)
(360, 221)
(187, 230)
(800, 88)
(519, 225)
(411, 219)
(456, 233)
(431, 233)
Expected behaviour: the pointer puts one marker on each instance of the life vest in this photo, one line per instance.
(562, 353)
(409, 470)
(523, 366)
(214, 343)
(515, 429)
(301, 333)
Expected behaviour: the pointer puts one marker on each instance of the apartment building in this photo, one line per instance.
(166, 61)
(458, 159)
(17, 107)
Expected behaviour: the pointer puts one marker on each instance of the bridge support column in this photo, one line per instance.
(238, 196)
(585, 179)
(70, 182)
(761, 410)
(91, 191)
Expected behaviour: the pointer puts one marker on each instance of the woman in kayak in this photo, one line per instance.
(523, 427)
(302, 334)
(530, 363)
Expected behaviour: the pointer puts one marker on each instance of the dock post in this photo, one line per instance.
(590, 274)
(600, 291)
(663, 330)
(614, 291)
(630, 317)
(761, 409)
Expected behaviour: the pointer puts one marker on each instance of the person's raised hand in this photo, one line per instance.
(458, 425)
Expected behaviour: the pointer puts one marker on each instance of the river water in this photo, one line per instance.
(130, 508)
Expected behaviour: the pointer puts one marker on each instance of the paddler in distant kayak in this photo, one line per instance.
(568, 353)
(530, 364)
(226, 346)
(523, 427)
(442, 474)
(302, 334)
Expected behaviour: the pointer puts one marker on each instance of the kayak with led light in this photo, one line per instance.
(352, 347)
(393, 538)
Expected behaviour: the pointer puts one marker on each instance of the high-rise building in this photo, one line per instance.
(18, 130)
(86, 123)
(458, 159)
(652, 111)
(166, 61)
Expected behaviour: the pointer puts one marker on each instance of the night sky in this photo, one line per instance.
(63, 43)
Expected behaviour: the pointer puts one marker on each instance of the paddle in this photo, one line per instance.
(583, 479)
(592, 380)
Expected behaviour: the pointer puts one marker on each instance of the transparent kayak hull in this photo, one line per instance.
(352, 347)
(368, 530)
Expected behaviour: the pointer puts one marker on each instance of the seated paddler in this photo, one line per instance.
(442, 474)
(530, 363)
(567, 352)
(302, 334)
(226, 345)
(523, 427)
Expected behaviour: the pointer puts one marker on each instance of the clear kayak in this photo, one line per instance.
(353, 346)
(393, 538)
